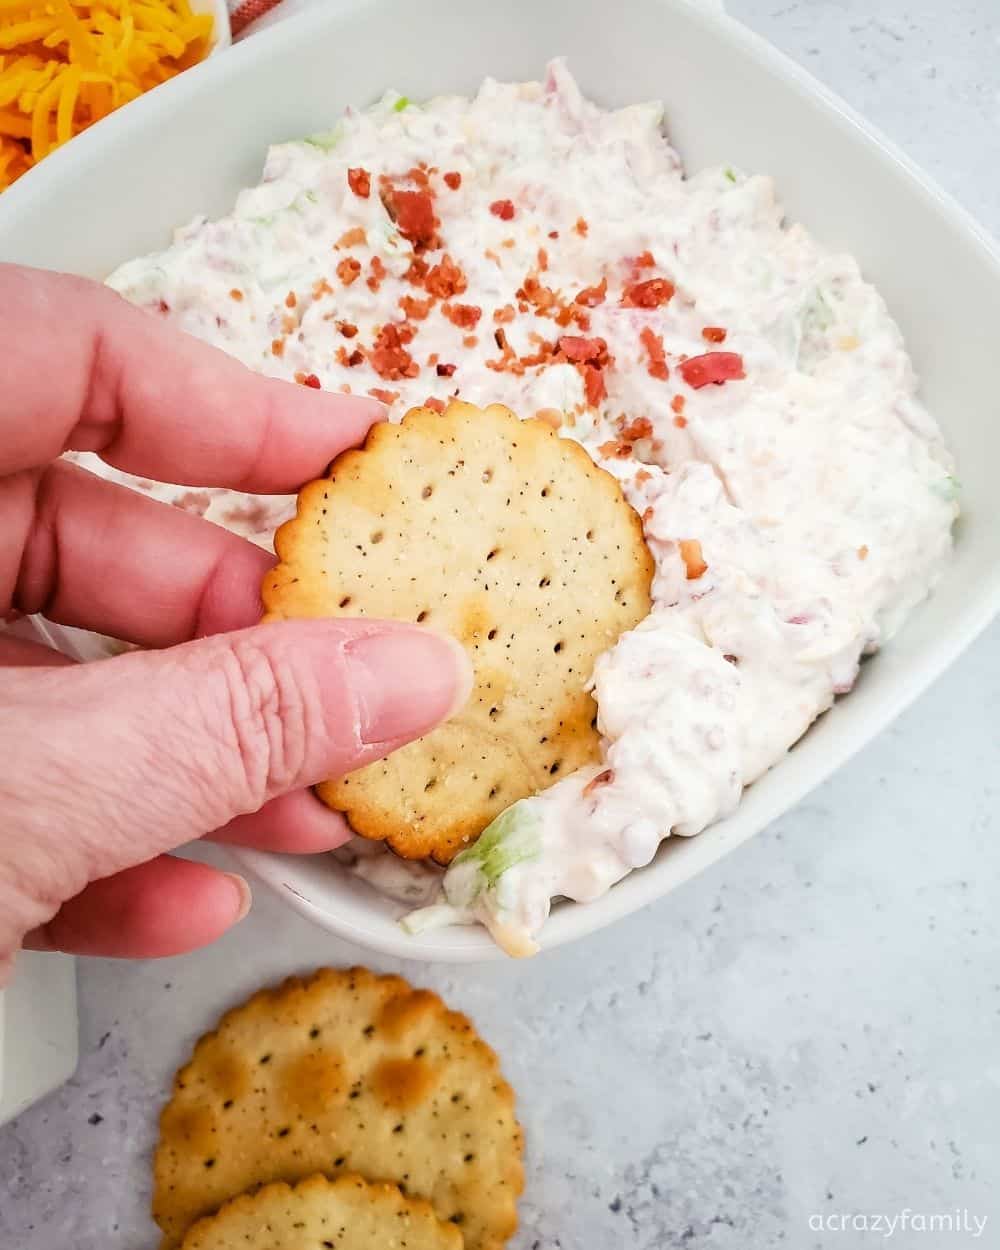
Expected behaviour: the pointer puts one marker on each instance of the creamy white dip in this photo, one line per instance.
(797, 511)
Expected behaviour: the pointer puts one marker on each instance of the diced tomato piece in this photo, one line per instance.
(453, 179)
(650, 294)
(360, 182)
(504, 209)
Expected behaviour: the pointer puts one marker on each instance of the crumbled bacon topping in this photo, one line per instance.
(445, 279)
(504, 315)
(653, 343)
(417, 271)
(453, 179)
(308, 379)
(291, 300)
(591, 296)
(504, 209)
(433, 402)
(677, 404)
(349, 361)
(360, 182)
(714, 334)
(465, 316)
(580, 350)
(593, 385)
(581, 227)
(351, 238)
(446, 371)
(277, 347)
(652, 293)
(415, 309)
(236, 294)
(389, 357)
(349, 270)
(412, 211)
(614, 450)
(694, 564)
(713, 368)
(470, 340)
(321, 288)
(543, 259)
(347, 329)
(640, 427)
(386, 397)
(377, 272)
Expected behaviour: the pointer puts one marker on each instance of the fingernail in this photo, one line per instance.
(244, 894)
(406, 681)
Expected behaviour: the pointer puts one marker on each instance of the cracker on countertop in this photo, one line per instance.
(348, 1213)
(344, 1071)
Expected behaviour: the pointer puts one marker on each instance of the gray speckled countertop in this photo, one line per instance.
(808, 1030)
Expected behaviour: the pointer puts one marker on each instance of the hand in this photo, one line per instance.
(105, 767)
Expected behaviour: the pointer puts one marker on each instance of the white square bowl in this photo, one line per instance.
(189, 146)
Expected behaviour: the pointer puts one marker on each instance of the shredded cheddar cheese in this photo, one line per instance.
(65, 64)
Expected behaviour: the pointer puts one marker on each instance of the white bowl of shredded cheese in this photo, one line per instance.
(734, 108)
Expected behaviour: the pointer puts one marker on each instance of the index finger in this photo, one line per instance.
(84, 370)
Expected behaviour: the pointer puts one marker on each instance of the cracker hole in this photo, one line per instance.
(492, 634)
(427, 492)
(377, 536)
(283, 1132)
(368, 1030)
(227, 1104)
(590, 536)
(209, 1163)
(264, 1059)
(314, 1032)
(340, 1161)
(494, 552)
(345, 601)
(430, 784)
(545, 492)
(546, 581)
(487, 475)
(422, 616)
(557, 648)
(494, 713)
(554, 768)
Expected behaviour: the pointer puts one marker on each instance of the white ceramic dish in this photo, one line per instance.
(730, 98)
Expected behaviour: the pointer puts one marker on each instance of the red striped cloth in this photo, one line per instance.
(249, 11)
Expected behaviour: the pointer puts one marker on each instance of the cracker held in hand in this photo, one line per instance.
(349, 1213)
(345, 1072)
(506, 536)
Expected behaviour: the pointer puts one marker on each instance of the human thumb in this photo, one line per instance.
(110, 764)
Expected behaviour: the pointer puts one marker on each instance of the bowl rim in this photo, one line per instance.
(758, 808)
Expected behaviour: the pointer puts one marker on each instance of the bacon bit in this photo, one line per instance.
(602, 779)
(351, 238)
(644, 260)
(591, 296)
(507, 242)
(863, 552)
(321, 288)
(677, 403)
(680, 422)
(419, 175)
(465, 316)
(348, 270)
(386, 397)
(650, 294)
(378, 272)
(642, 477)
(309, 379)
(713, 368)
(162, 306)
(435, 403)
(277, 347)
(445, 279)
(347, 329)
(543, 259)
(504, 209)
(690, 549)
(413, 213)
(416, 272)
(288, 324)
(581, 227)
(453, 179)
(553, 234)
(360, 182)
(640, 427)
(290, 300)
(415, 309)
(581, 350)
(504, 315)
(653, 343)
(550, 416)
(613, 450)
(235, 294)
(352, 360)
(389, 358)
(446, 371)
(491, 255)
(593, 385)
(433, 358)
(542, 297)
(470, 340)
(714, 334)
